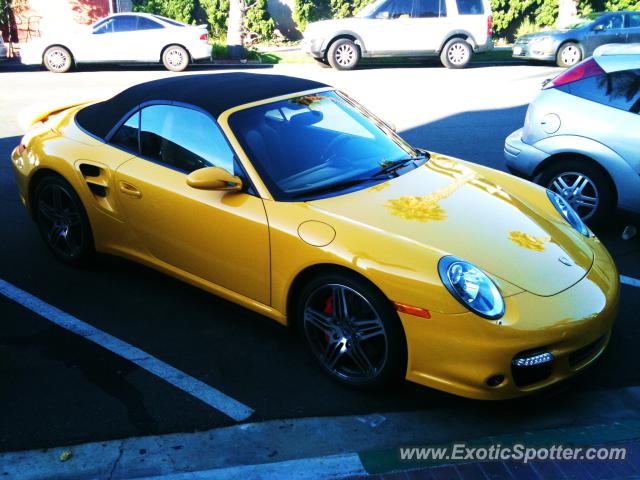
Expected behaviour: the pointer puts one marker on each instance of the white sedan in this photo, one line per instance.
(121, 38)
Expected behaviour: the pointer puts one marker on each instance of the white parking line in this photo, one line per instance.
(200, 390)
(629, 281)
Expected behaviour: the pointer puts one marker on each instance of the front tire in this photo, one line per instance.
(343, 54)
(175, 58)
(587, 189)
(58, 59)
(62, 221)
(568, 55)
(456, 53)
(352, 330)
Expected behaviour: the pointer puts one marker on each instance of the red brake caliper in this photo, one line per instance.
(328, 310)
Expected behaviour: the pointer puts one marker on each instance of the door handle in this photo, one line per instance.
(129, 189)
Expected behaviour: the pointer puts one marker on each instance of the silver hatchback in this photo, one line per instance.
(581, 136)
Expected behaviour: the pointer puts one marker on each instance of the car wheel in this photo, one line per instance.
(58, 59)
(62, 221)
(343, 54)
(587, 189)
(568, 55)
(175, 58)
(456, 53)
(352, 330)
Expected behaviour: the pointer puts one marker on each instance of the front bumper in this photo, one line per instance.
(531, 51)
(521, 158)
(461, 353)
(313, 47)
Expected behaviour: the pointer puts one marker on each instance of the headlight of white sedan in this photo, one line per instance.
(471, 287)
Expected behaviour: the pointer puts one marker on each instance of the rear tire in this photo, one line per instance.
(568, 55)
(343, 54)
(175, 58)
(58, 59)
(62, 221)
(364, 347)
(456, 53)
(595, 189)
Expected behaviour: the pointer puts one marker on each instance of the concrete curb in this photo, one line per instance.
(262, 449)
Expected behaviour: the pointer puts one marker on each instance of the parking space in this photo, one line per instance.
(61, 388)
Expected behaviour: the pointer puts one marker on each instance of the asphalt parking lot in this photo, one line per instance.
(58, 388)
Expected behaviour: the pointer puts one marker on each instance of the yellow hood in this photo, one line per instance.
(447, 205)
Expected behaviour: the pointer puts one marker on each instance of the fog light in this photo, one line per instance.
(532, 360)
(495, 380)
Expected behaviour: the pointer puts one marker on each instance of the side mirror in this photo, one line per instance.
(598, 28)
(383, 15)
(214, 178)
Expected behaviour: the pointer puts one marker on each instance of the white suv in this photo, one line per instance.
(452, 29)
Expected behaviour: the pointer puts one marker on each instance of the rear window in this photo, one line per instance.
(470, 7)
(617, 89)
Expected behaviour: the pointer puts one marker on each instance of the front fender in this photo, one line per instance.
(343, 33)
(626, 179)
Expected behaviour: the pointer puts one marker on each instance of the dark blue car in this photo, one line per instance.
(568, 46)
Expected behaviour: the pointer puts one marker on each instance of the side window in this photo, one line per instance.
(612, 22)
(146, 24)
(470, 7)
(104, 27)
(125, 23)
(618, 89)
(183, 138)
(429, 8)
(127, 134)
(395, 9)
(633, 20)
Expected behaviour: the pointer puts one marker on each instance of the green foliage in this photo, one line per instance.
(616, 5)
(181, 10)
(217, 12)
(526, 27)
(258, 20)
(307, 11)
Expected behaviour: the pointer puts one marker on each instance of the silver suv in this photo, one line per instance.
(581, 136)
(451, 29)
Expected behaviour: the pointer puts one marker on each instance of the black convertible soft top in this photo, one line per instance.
(214, 93)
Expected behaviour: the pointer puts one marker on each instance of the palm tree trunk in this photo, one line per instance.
(567, 12)
(234, 30)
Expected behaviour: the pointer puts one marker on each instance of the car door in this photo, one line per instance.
(429, 24)
(608, 29)
(220, 237)
(149, 38)
(389, 29)
(632, 27)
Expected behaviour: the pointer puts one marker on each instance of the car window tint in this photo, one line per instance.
(147, 24)
(470, 7)
(612, 22)
(429, 8)
(104, 27)
(125, 23)
(397, 8)
(633, 20)
(127, 134)
(183, 138)
(618, 89)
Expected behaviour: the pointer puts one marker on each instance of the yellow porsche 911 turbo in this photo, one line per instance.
(287, 197)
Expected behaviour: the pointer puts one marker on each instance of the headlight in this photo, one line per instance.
(568, 213)
(471, 287)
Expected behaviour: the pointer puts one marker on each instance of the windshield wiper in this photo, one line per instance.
(397, 164)
(333, 187)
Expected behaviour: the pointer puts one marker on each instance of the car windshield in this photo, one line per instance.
(319, 144)
(585, 22)
(370, 9)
